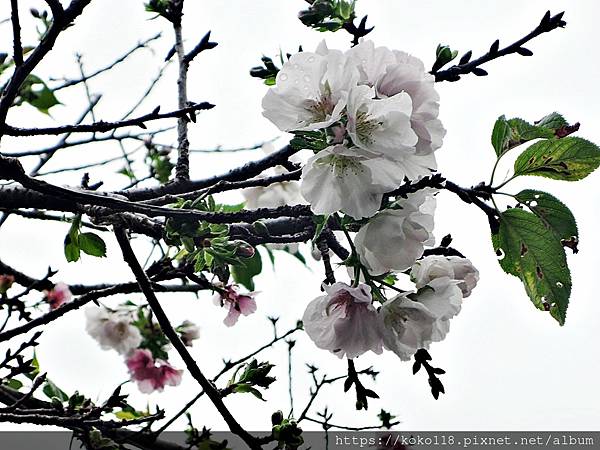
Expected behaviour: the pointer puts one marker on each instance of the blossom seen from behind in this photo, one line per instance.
(113, 329)
(237, 303)
(58, 295)
(344, 321)
(150, 374)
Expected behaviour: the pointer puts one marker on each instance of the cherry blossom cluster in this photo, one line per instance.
(132, 334)
(378, 110)
(346, 322)
(376, 113)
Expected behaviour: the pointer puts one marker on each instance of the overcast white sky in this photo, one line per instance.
(509, 366)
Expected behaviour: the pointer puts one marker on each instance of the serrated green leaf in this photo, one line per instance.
(568, 159)
(522, 131)
(527, 249)
(244, 273)
(92, 244)
(553, 121)
(501, 135)
(553, 213)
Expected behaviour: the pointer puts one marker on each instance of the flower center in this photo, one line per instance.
(365, 126)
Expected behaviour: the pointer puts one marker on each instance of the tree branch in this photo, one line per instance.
(17, 46)
(171, 334)
(464, 67)
(59, 24)
(102, 127)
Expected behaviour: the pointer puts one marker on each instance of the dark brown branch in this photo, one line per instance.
(343, 427)
(142, 440)
(245, 172)
(203, 45)
(102, 127)
(182, 168)
(223, 186)
(125, 288)
(465, 66)
(56, 8)
(17, 46)
(20, 74)
(171, 334)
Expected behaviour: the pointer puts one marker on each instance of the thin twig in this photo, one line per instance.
(171, 334)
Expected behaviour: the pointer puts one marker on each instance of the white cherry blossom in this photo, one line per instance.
(411, 321)
(453, 267)
(394, 238)
(112, 329)
(381, 126)
(407, 326)
(344, 321)
(310, 91)
(391, 72)
(337, 179)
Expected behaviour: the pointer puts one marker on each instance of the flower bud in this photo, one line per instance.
(244, 249)
(276, 418)
(6, 281)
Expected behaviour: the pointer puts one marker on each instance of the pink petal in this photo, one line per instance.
(246, 304)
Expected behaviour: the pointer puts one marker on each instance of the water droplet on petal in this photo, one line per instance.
(296, 66)
(283, 77)
(306, 78)
(311, 59)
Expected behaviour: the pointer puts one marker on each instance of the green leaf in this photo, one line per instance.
(13, 383)
(320, 222)
(522, 131)
(36, 367)
(501, 135)
(568, 159)
(245, 272)
(554, 214)
(244, 388)
(53, 391)
(553, 121)
(44, 99)
(72, 249)
(444, 55)
(72, 252)
(528, 249)
(232, 208)
(92, 244)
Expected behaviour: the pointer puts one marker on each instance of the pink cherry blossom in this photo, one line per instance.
(58, 296)
(344, 321)
(236, 302)
(151, 375)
